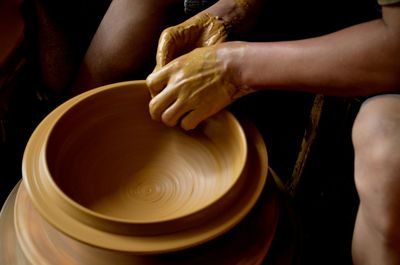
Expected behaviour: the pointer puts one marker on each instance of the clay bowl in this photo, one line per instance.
(27, 238)
(101, 162)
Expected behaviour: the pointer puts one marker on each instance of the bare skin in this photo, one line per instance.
(376, 142)
(119, 50)
(124, 42)
(363, 60)
(121, 47)
(358, 61)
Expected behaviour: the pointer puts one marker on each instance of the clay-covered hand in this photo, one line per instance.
(194, 86)
(201, 30)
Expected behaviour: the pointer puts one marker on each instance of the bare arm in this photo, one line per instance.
(357, 61)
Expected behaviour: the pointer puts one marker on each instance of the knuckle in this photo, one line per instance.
(167, 34)
(167, 120)
(154, 110)
(151, 87)
(150, 81)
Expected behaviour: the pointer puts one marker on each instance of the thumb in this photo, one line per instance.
(165, 49)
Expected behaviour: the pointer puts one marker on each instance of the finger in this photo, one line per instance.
(160, 103)
(158, 80)
(165, 49)
(219, 37)
(192, 119)
(174, 113)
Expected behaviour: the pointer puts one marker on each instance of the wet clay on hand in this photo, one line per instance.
(199, 31)
(194, 86)
(204, 29)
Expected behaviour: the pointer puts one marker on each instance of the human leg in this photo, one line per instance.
(125, 43)
(59, 33)
(376, 140)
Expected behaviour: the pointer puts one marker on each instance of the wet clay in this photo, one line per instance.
(45, 225)
(198, 84)
(107, 155)
(199, 31)
(107, 177)
(242, 8)
(42, 243)
(243, 4)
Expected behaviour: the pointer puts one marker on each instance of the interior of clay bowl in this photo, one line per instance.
(112, 160)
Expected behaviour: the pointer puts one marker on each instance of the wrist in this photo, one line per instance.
(232, 56)
(231, 12)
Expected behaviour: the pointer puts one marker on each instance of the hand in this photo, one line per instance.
(199, 31)
(195, 86)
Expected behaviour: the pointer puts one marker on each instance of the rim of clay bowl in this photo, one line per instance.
(256, 172)
(40, 175)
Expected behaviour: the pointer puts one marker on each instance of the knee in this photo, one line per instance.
(376, 140)
(376, 131)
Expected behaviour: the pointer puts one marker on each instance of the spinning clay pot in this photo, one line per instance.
(100, 174)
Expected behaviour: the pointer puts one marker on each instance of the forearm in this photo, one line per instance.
(236, 13)
(358, 61)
